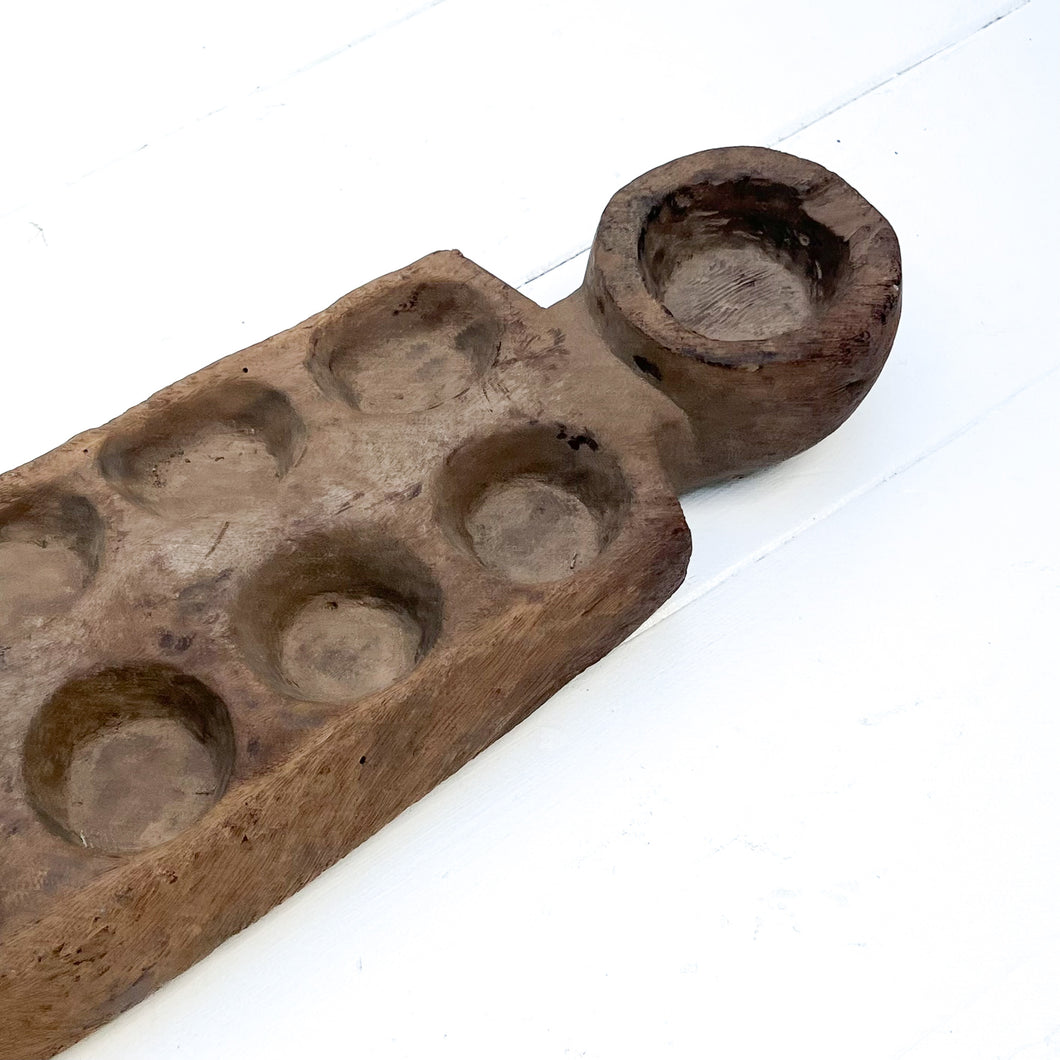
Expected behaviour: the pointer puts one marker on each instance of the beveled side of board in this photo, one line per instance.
(249, 621)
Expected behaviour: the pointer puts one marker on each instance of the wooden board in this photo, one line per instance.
(252, 619)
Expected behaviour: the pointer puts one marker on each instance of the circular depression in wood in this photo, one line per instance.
(411, 350)
(739, 260)
(208, 453)
(50, 549)
(127, 758)
(537, 504)
(336, 617)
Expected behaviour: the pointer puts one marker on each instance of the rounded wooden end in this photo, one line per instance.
(758, 290)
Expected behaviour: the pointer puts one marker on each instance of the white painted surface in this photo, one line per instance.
(811, 809)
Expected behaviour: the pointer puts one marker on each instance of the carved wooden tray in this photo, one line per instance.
(245, 624)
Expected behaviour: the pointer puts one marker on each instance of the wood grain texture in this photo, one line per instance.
(759, 290)
(257, 616)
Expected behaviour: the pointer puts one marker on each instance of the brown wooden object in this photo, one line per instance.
(248, 622)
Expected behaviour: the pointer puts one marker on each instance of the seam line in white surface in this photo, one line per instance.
(836, 506)
(900, 73)
(384, 28)
(883, 82)
(235, 102)
(552, 268)
(259, 89)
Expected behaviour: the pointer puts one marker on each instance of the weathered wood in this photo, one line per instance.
(248, 622)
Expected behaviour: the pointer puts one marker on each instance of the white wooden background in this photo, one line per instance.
(813, 807)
